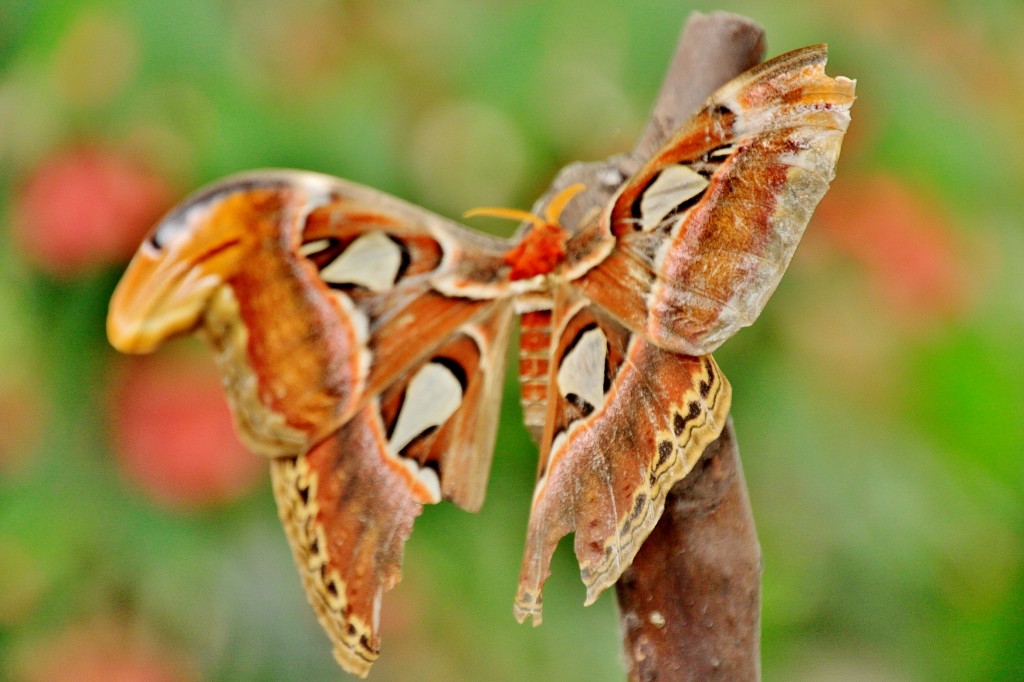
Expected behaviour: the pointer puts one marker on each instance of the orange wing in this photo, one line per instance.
(362, 344)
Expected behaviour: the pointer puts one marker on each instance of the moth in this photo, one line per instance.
(362, 340)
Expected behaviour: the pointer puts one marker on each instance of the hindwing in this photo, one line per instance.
(625, 421)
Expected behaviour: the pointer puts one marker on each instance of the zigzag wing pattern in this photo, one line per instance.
(626, 421)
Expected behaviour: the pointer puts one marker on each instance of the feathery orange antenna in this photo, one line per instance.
(552, 212)
(498, 212)
(541, 249)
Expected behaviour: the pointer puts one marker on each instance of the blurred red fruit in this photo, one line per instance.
(908, 246)
(87, 206)
(173, 434)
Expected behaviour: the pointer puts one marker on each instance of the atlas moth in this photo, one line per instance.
(362, 340)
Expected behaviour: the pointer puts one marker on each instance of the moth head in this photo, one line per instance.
(542, 247)
(189, 254)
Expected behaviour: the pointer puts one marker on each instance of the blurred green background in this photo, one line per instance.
(879, 401)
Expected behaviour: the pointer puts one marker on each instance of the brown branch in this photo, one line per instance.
(713, 49)
(690, 603)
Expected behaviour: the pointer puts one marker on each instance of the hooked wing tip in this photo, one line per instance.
(156, 300)
(125, 335)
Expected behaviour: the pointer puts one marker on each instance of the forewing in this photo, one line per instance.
(705, 230)
(626, 420)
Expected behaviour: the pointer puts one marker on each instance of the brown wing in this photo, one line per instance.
(362, 343)
(706, 228)
(625, 421)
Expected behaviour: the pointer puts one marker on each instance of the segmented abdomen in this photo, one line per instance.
(534, 363)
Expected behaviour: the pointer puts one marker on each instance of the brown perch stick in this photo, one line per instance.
(690, 603)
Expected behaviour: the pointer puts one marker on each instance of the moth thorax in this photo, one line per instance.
(539, 253)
